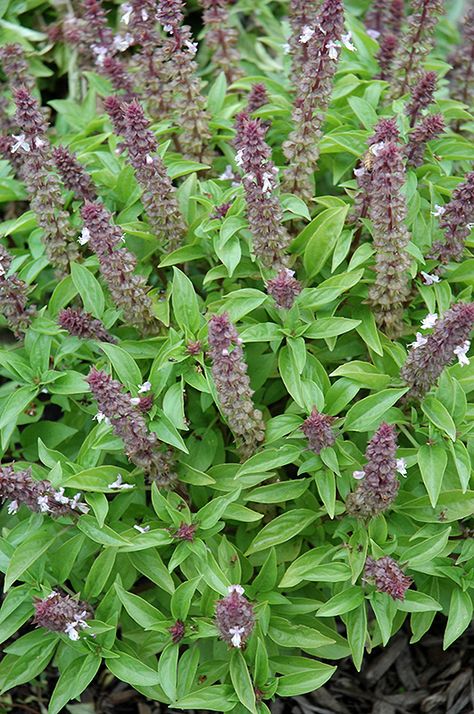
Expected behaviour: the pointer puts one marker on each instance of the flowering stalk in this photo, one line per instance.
(379, 485)
(284, 288)
(257, 98)
(14, 297)
(221, 38)
(386, 55)
(318, 430)
(388, 577)
(429, 355)
(235, 617)
(383, 17)
(387, 212)
(312, 98)
(142, 447)
(229, 372)
(430, 127)
(117, 265)
(415, 44)
(73, 174)
(21, 489)
(264, 211)
(183, 83)
(159, 195)
(302, 13)
(81, 324)
(42, 183)
(456, 220)
(62, 613)
(421, 95)
(461, 77)
(16, 67)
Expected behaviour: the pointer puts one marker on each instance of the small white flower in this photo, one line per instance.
(225, 353)
(419, 342)
(470, 226)
(227, 174)
(438, 211)
(144, 15)
(236, 633)
(13, 508)
(119, 484)
(149, 159)
(347, 42)
(52, 594)
(430, 279)
(142, 529)
(191, 46)
(321, 29)
(84, 237)
(100, 53)
(122, 42)
(460, 351)
(402, 467)
(358, 475)
(168, 28)
(359, 172)
(430, 321)
(145, 387)
(239, 341)
(135, 401)
(306, 34)
(267, 185)
(59, 496)
(332, 47)
(373, 34)
(375, 149)
(39, 143)
(20, 143)
(71, 631)
(100, 417)
(239, 157)
(286, 49)
(42, 502)
(76, 503)
(127, 11)
(235, 589)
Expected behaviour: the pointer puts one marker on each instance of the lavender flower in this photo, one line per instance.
(421, 95)
(221, 38)
(81, 324)
(284, 288)
(235, 618)
(159, 195)
(14, 297)
(257, 98)
(314, 84)
(141, 446)
(302, 14)
(42, 183)
(117, 265)
(16, 67)
(386, 55)
(379, 485)
(114, 70)
(388, 576)
(318, 431)
(20, 488)
(430, 354)
(415, 44)
(114, 108)
(461, 77)
(62, 613)
(456, 222)
(233, 385)
(264, 210)
(429, 128)
(387, 211)
(73, 174)
(183, 84)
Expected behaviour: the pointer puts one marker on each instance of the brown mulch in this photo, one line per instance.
(398, 679)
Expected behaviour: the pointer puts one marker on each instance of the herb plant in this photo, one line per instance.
(236, 295)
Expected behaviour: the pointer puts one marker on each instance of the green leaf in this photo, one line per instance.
(217, 698)
(242, 683)
(96, 479)
(131, 670)
(185, 302)
(128, 372)
(168, 669)
(426, 549)
(439, 416)
(209, 514)
(385, 609)
(416, 601)
(432, 460)
(103, 535)
(356, 625)
(330, 327)
(452, 506)
(459, 616)
(291, 685)
(344, 601)
(89, 289)
(27, 553)
(289, 634)
(367, 414)
(322, 235)
(182, 598)
(282, 529)
(140, 610)
(216, 95)
(15, 404)
(308, 567)
(73, 681)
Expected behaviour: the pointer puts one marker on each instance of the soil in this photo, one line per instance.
(399, 679)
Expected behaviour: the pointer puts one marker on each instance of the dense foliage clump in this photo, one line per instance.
(236, 307)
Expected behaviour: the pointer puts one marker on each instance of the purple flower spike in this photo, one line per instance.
(421, 95)
(388, 577)
(14, 297)
(379, 485)
(429, 128)
(284, 288)
(73, 174)
(221, 38)
(16, 67)
(431, 354)
(81, 324)
(235, 618)
(456, 221)
(318, 431)
(62, 613)
(461, 76)
(20, 488)
(229, 372)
